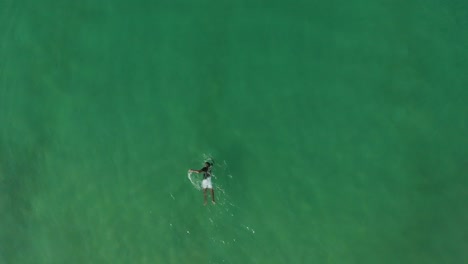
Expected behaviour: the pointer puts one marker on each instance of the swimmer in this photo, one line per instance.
(206, 183)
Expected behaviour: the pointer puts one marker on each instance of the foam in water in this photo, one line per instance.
(196, 181)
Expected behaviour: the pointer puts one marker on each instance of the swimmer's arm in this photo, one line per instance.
(199, 171)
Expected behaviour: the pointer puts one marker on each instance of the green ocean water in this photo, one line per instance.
(339, 130)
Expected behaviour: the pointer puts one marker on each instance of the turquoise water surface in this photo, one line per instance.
(339, 130)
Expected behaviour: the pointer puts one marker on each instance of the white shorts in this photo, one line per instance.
(206, 183)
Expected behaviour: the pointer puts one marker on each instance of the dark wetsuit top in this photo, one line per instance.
(206, 172)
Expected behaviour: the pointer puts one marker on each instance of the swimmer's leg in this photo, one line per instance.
(204, 196)
(212, 196)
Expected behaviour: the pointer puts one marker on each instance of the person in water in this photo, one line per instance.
(206, 183)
